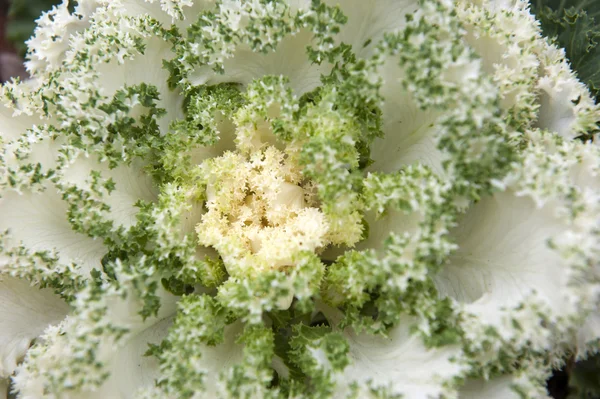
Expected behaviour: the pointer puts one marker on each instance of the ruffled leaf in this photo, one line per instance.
(26, 311)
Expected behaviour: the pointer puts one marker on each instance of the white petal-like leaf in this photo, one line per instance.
(400, 364)
(39, 221)
(25, 312)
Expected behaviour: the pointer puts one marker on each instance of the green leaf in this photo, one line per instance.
(583, 379)
(577, 30)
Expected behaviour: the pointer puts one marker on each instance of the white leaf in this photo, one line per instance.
(503, 253)
(369, 20)
(401, 362)
(289, 59)
(39, 221)
(144, 68)
(25, 312)
(409, 132)
(129, 369)
(132, 183)
(14, 125)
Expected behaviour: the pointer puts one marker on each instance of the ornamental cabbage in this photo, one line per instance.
(296, 199)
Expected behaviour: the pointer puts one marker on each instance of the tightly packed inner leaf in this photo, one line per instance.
(258, 217)
(295, 199)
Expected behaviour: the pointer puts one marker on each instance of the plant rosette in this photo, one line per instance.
(301, 199)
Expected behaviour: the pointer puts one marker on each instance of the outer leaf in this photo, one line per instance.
(583, 379)
(25, 311)
(525, 253)
(398, 364)
(576, 28)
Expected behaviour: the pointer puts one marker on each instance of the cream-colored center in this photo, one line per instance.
(260, 211)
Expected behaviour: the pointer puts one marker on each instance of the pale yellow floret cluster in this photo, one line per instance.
(259, 213)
